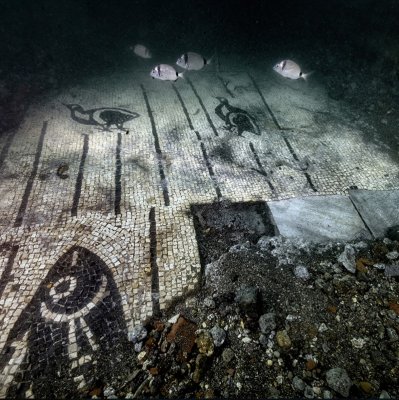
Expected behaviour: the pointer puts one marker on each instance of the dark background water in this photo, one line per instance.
(79, 36)
(48, 44)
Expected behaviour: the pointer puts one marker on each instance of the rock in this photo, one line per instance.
(228, 355)
(301, 272)
(393, 232)
(209, 303)
(366, 387)
(308, 393)
(322, 327)
(298, 384)
(246, 296)
(267, 323)
(109, 391)
(327, 394)
(200, 362)
(348, 258)
(380, 266)
(391, 270)
(384, 395)
(137, 334)
(263, 340)
(218, 335)
(338, 380)
(358, 343)
(182, 334)
(205, 343)
(392, 255)
(392, 335)
(283, 340)
(174, 319)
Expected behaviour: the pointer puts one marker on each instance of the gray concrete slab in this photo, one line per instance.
(318, 218)
(379, 209)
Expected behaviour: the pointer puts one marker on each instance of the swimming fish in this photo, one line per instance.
(290, 69)
(165, 72)
(141, 51)
(192, 61)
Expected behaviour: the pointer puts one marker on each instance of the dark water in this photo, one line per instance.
(47, 43)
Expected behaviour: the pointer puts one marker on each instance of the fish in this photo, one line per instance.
(141, 51)
(165, 72)
(192, 61)
(290, 69)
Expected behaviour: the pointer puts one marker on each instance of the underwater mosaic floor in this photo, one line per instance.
(96, 188)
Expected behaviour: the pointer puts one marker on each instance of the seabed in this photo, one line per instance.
(98, 183)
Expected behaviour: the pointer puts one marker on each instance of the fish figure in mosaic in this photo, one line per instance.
(192, 61)
(72, 330)
(102, 117)
(290, 69)
(236, 120)
(165, 72)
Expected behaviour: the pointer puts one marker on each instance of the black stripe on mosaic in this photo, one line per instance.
(79, 179)
(210, 170)
(260, 166)
(6, 147)
(295, 157)
(118, 173)
(154, 265)
(204, 153)
(307, 176)
(225, 83)
(158, 151)
(190, 123)
(264, 102)
(31, 179)
(203, 107)
(5, 276)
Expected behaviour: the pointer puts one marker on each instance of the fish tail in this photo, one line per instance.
(181, 75)
(208, 62)
(306, 76)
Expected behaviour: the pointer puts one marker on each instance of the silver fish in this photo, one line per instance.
(192, 61)
(290, 69)
(165, 72)
(141, 51)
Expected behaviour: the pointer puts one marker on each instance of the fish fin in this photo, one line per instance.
(208, 62)
(306, 76)
(180, 75)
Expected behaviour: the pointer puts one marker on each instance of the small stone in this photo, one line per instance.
(301, 272)
(218, 335)
(269, 363)
(380, 266)
(384, 395)
(174, 319)
(209, 303)
(138, 346)
(323, 327)
(367, 387)
(228, 355)
(283, 340)
(327, 394)
(338, 380)
(246, 339)
(348, 258)
(392, 335)
(142, 356)
(263, 340)
(298, 384)
(358, 343)
(267, 323)
(108, 391)
(310, 364)
(279, 380)
(205, 343)
(137, 334)
(392, 255)
(384, 121)
(246, 296)
(308, 393)
(391, 270)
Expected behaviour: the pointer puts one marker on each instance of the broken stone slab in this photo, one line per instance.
(318, 218)
(378, 209)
